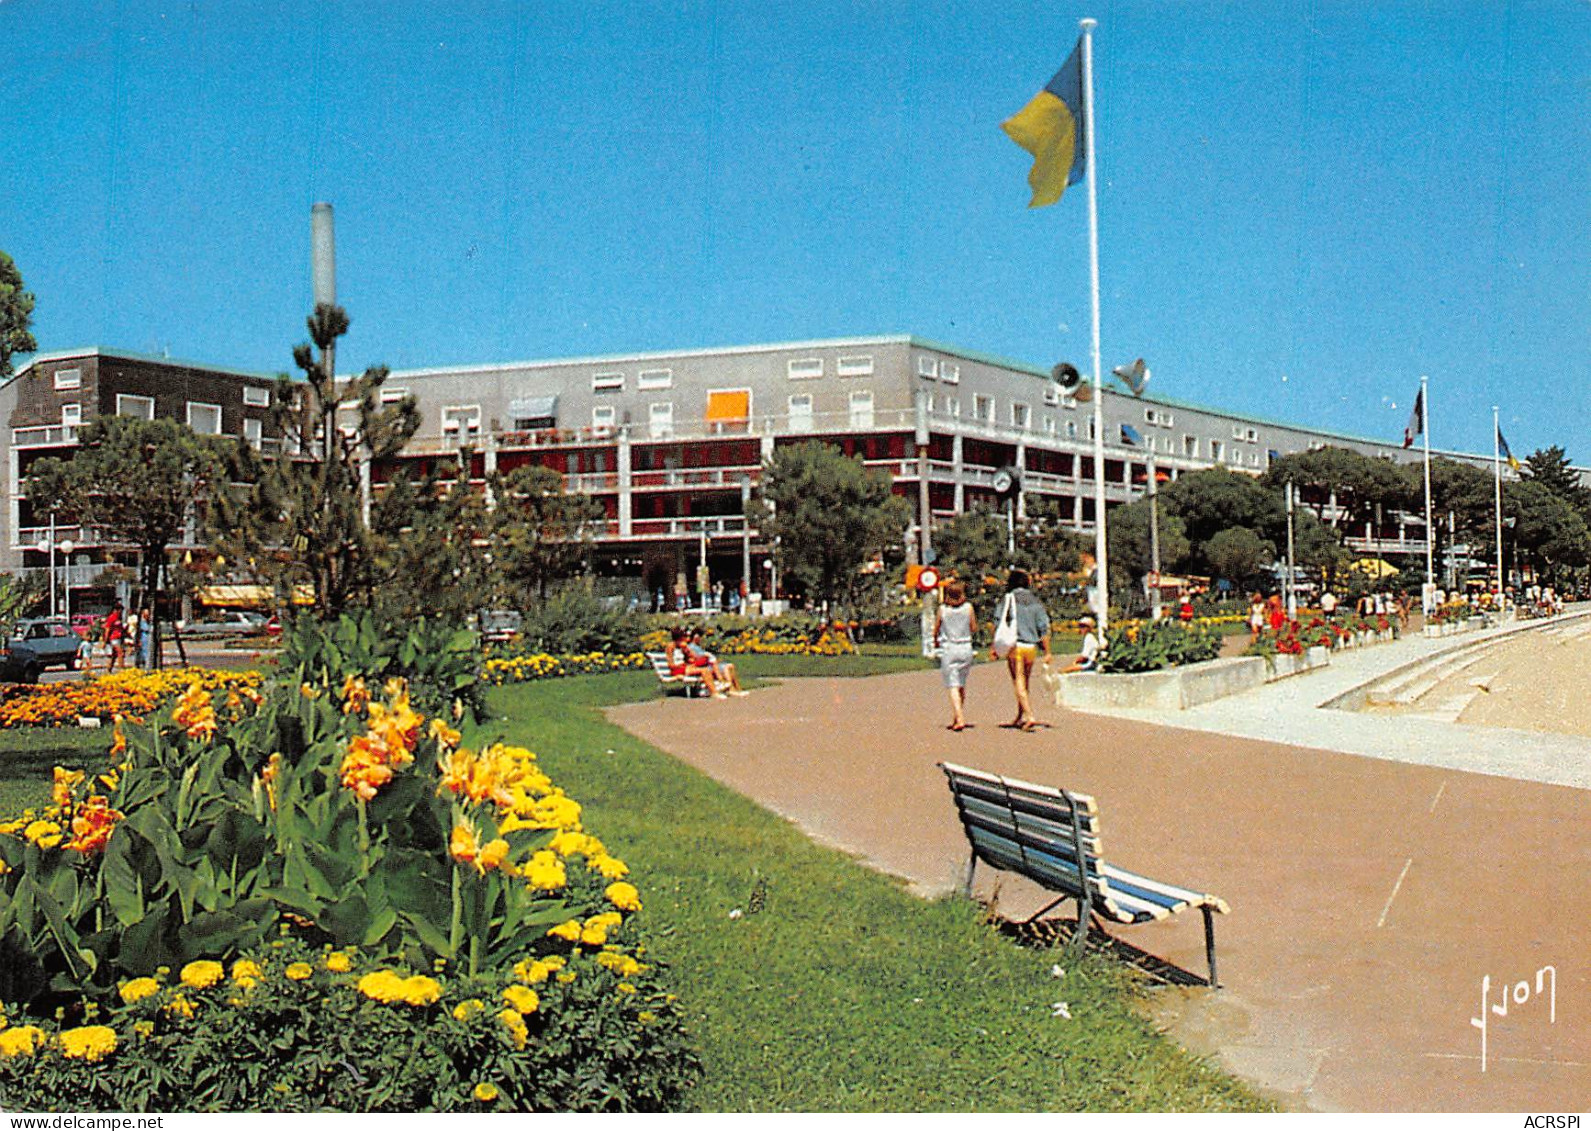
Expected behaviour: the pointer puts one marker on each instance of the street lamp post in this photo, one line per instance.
(1292, 588)
(745, 539)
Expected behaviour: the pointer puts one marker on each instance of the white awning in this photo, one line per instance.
(534, 408)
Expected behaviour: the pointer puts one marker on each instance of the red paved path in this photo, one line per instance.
(1339, 994)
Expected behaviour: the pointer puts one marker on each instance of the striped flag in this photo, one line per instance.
(1050, 127)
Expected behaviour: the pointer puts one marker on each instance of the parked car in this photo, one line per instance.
(36, 644)
(87, 625)
(499, 624)
(238, 622)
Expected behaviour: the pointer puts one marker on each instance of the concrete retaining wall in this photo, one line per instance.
(1176, 689)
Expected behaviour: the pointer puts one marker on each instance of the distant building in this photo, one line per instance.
(664, 440)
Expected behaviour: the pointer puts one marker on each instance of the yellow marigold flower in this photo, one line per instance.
(626, 988)
(25, 1040)
(609, 867)
(420, 990)
(144, 1028)
(566, 977)
(594, 934)
(180, 1007)
(646, 1017)
(571, 844)
(90, 1043)
(514, 1022)
(381, 985)
(485, 1092)
(532, 971)
(202, 974)
(624, 896)
(522, 999)
(299, 971)
(569, 931)
(338, 962)
(246, 970)
(621, 964)
(464, 1010)
(138, 989)
(545, 872)
(44, 834)
(309, 691)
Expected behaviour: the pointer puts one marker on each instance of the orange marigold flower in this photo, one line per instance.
(66, 783)
(92, 825)
(355, 695)
(461, 845)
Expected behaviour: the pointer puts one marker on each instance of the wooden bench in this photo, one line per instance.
(690, 681)
(1051, 836)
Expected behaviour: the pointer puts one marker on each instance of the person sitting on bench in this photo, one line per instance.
(701, 658)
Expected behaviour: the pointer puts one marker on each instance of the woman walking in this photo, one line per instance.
(1032, 634)
(953, 629)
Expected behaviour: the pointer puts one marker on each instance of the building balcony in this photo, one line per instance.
(44, 436)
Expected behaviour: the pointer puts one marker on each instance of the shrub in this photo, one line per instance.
(439, 663)
(1152, 645)
(509, 667)
(575, 621)
(790, 634)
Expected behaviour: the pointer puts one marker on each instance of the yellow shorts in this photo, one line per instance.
(1026, 651)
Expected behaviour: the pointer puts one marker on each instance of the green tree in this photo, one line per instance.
(1130, 544)
(16, 315)
(139, 482)
(539, 534)
(972, 547)
(1211, 501)
(1238, 554)
(1362, 484)
(830, 514)
(300, 516)
(427, 551)
(1549, 534)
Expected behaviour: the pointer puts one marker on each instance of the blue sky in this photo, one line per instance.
(1343, 195)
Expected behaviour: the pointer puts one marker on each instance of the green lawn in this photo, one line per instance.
(27, 756)
(834, 989)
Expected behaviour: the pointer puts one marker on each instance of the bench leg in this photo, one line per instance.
(972, 866)
(1085, 912)
(1209, 945)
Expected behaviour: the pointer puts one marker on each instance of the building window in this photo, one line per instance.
(862, 408)
(1052, 394)
(68, 378)
(603, 416)
(71, 415)
(606, 382)
(983, 408)
(1167, 420)
(1021, 415)
(801, 412)
(953, 406)
(1190, 447)
(253, 432)
(950, 373)
(660, 418)
(1252, 435)
(461, 422)
(654, 379)
(1215, 451)
(393, 395)
(805, 368)
(143, 408)
(1150, 416)
(1090, 427)
(256, 396)
(1049, 425)
(860, 366)
(927, 367)
(204, 419)
(1071, 429)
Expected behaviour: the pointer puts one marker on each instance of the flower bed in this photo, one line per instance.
(766, 639)
(501, 669)
(488, 956)
(130, 693)
(1142, 646)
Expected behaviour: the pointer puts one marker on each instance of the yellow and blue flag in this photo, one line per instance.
(1051, 128)
(1502, 446)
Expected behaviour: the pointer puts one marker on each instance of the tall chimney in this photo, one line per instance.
(323, 255)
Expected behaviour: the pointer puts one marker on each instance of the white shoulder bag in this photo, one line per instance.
(1005, 631)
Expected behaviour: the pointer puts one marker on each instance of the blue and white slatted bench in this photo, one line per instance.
(1051, 836)
(690, 681)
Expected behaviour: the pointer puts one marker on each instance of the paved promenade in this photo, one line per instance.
(1370, 896)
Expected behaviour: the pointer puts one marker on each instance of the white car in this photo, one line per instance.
(237, 622)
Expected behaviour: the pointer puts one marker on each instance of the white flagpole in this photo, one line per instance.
(1497, 470)
(1102, 599)
(1430, 534)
